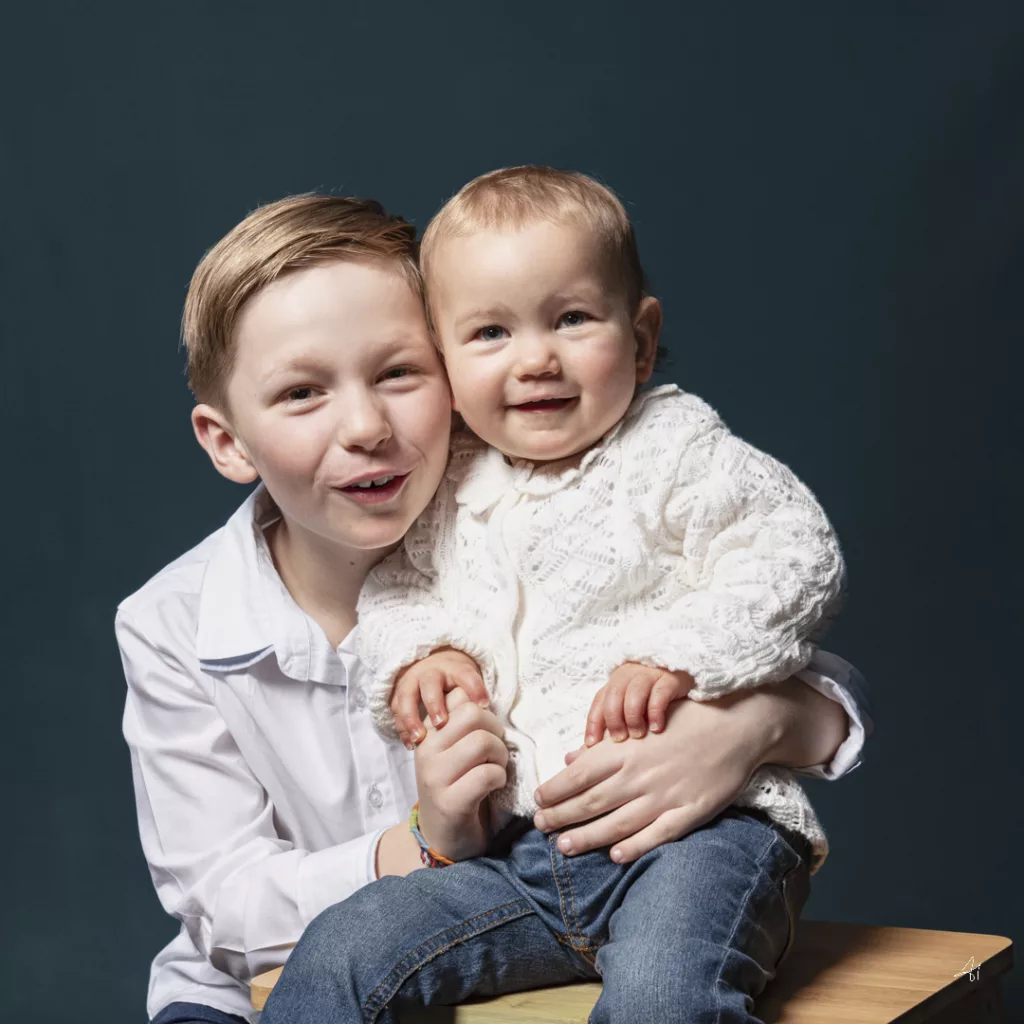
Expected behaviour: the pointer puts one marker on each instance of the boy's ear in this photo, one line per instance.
(215, 433)
(646, 330)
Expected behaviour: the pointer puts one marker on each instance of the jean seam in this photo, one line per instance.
(791, 936)
(573, 932)
(435, 947)
(775, 838)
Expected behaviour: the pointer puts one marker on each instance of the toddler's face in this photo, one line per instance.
(542, 352)
(337, 383)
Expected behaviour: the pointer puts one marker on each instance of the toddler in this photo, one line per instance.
(593, 553)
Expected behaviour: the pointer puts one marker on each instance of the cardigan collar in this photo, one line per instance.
(493, 474)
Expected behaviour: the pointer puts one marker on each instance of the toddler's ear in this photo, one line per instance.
(646, 330)
(215, 433)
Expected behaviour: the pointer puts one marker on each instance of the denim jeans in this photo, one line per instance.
(690, 932)
(194, 1013)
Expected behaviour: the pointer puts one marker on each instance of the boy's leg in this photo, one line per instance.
(436, 937)
(703, 926)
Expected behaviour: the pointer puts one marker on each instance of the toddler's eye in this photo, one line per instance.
(397, 372)
(302, 394)
(574, 318)
(491, 333)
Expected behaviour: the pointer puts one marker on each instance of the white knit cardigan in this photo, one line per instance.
(671, 543)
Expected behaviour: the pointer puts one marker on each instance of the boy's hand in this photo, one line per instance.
(457, 768)
(634, 696)
(428, 681)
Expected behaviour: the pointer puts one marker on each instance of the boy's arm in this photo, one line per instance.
(763, 564)
(834, 678)
(243, 892)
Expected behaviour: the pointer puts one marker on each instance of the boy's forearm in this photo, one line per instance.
(804, 727)
(398, 853)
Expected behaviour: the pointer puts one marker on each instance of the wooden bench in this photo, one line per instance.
(835, 974)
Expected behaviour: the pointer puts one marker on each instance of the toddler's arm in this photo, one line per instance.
(408, 610)
(763, 566)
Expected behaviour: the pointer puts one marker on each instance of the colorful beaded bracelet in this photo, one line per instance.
(428, 855)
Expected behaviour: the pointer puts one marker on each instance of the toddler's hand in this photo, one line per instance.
(428, 681)
(634, 696)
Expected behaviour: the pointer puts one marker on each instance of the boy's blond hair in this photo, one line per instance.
(513, 197)
(291, 234)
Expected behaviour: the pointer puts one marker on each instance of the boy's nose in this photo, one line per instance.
(363, 425)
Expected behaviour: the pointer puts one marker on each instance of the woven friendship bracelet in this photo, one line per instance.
(428, 855)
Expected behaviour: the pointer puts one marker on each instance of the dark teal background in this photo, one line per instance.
(830, 202)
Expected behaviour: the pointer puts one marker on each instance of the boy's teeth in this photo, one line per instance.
(379, 482)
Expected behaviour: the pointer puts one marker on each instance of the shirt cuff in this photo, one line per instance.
(838, 680)
(332, 875)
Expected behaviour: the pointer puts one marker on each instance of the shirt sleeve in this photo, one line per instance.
(838, 680)
(763, 571)
(243, 892)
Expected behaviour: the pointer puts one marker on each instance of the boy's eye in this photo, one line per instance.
(574, 318)
(397, 373)
(492, 332)
(301, 394)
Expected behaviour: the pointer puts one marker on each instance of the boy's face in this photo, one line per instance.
(542, 352)
(336, 382)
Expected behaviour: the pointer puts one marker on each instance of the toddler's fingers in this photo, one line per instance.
(432, 695)
(614, 717)
(671, 686)
(664, 691)
(635, 703)
(456, 698)
(405, 706)
(595, 719)
(472, 682)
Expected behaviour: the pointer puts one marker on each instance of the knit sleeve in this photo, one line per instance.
(408, 607)
(763, 570)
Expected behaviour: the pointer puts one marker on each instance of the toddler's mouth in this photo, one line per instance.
(545, 405)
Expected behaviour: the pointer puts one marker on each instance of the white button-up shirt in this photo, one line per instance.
(261, 787)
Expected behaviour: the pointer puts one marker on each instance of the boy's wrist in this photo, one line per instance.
(802, 727)
(455, 841)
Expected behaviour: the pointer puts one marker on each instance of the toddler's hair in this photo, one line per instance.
(513, 197)
(291, 234)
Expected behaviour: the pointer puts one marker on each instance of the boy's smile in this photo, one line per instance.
(541, 350)
(339, 402)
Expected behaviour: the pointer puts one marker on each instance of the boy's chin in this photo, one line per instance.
(378, 536)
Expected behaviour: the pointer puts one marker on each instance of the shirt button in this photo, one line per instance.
(375, 797)
(359, 698)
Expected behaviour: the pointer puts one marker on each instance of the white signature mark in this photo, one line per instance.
(974, 973)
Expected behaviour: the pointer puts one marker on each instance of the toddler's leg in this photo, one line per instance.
(435, 937)
(702, 929)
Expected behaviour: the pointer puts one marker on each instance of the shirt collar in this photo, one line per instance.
(245, 611)
(491, 475)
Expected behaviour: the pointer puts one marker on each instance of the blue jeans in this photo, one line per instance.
(194, 1013)
(690, 932)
